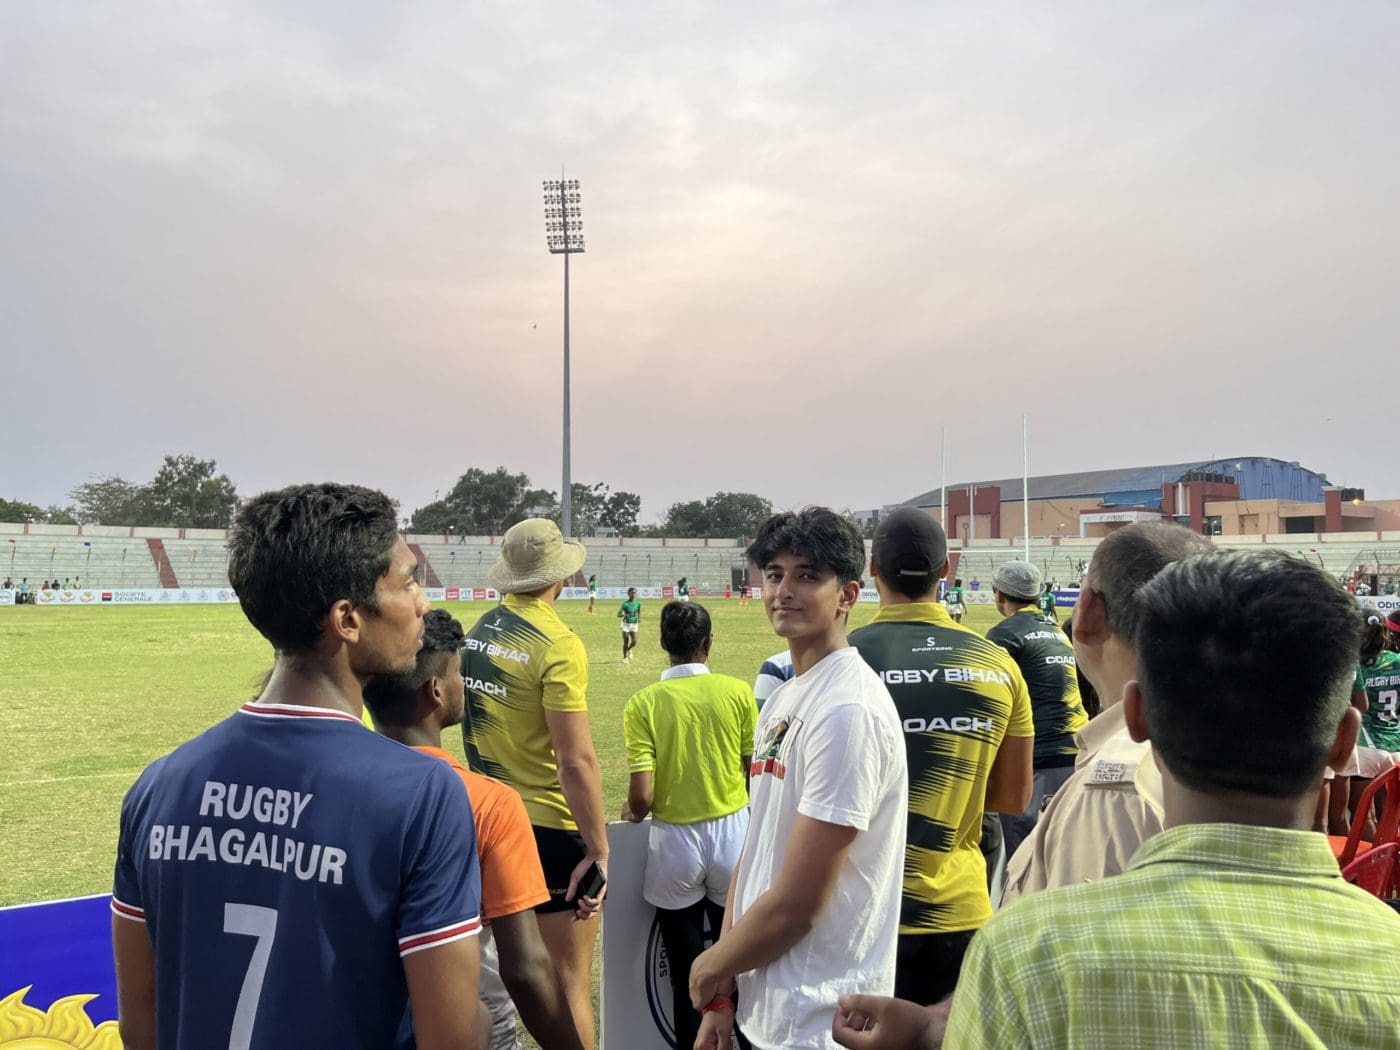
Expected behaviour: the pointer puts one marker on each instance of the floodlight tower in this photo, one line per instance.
(563, 230)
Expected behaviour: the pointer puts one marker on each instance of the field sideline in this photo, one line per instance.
(90, 696)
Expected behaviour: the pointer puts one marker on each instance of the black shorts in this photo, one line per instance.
(560, 852)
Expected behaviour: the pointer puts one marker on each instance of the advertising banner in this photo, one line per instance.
(1386, 603)
(57, 984)
(635, 991)
(135, 596)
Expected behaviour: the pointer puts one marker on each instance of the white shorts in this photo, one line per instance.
(492, 992)
(682, 597)
(1371, 762)
(686, 862)
(955, 610)
(630, 628)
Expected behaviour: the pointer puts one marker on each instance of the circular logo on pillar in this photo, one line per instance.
(659, 985)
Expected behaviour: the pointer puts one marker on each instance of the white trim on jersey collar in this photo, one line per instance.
(262, 710)
(684, 671)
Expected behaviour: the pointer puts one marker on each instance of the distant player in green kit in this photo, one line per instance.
(954, 601)
(631, 615)
(592, 592)
(1045, 602)
(682, 590)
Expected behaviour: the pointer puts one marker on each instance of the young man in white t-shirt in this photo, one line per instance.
(813, 906)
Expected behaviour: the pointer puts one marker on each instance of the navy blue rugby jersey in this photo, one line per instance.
(285, 861)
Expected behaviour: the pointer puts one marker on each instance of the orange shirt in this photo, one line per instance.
(511, 876)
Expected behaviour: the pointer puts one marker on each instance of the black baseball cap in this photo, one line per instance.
(909, 542)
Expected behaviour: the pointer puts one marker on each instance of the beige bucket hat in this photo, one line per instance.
(534, 554)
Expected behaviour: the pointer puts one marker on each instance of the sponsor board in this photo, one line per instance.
(1385, 603)
(614, 593)
(635, 992)
(131, 596)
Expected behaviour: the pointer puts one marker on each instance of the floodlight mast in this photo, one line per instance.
(563, 229)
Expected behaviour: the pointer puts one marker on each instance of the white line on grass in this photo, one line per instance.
(64, 780)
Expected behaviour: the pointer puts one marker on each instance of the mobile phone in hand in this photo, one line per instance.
(592, 882)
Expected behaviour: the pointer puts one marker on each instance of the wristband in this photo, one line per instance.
(719, 1002)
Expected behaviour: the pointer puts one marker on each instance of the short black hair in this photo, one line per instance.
(1245, 662)
(1130, 556)
(829, 540)
(294, 553)
(391, 697)
(684, 627)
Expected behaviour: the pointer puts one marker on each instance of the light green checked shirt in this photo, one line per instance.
(1218, 936)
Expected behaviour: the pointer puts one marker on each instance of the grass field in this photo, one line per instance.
(89, 696)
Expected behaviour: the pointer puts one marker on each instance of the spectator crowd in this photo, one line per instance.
(1106, 833)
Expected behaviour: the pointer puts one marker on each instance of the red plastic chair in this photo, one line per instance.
(1377, 871)
(1349, 848)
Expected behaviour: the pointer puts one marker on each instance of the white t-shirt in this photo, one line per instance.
(828, 745)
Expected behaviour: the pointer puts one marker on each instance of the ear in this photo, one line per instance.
(343, 622)
(1347, 730)
(432, 696)
(1133, 714)
(850, 594)
(1090, 617)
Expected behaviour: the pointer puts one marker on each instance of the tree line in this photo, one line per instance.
(185, 492)
(190, 492)
(483, 503)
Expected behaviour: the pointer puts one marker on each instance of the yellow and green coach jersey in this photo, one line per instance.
(519, 661)
(958, 696)
(1046, 658)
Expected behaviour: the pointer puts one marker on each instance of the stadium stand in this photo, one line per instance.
(711, 566)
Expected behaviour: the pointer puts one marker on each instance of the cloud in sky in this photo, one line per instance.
(311, 245)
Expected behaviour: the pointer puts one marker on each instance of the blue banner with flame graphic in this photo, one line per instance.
(57, 983)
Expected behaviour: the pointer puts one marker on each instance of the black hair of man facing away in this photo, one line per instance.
(813, 904)
(414, 709)
(334, 889)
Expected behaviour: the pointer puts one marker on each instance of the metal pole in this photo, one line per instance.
(972, 512)
(943, 482)
(566, 500)
(1026, 485)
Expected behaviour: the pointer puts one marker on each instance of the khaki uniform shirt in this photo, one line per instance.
(1093, 825)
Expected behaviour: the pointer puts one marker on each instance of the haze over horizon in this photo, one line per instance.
(310, 245)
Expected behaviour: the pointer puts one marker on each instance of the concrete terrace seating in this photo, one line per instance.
(108, 562)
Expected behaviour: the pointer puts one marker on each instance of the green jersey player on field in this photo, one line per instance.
(954, 601)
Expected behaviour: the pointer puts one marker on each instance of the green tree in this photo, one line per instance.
(737, 513)
(187, 491)
(57, 515)
(483, 504)
(20, 512)
(723, 514)
(597, 505)
(686, 519)
(620, 512)
(110, 501)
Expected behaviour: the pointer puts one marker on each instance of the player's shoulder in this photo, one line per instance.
(489, 796)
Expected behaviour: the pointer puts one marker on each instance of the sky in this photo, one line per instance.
(306, 240)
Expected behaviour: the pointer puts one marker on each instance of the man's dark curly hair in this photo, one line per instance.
(821, 535)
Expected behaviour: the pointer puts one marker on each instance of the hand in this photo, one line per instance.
(877, 1022)
(716, 1030)
(587, 906)
(629, 816)
(706, 980)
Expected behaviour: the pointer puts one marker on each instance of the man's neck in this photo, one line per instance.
(1182, 805)
(306, 681)
(424, 734)
(811, 649)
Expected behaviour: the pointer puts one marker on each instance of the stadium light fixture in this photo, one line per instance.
(563, 234)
